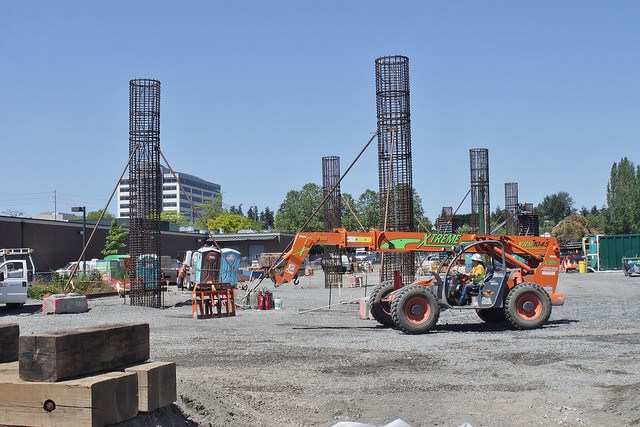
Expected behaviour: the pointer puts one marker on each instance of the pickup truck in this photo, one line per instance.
(16, 275)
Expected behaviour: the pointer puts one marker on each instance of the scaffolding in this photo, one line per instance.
(145, 188)
(331, 258)
(511, 207)
(480, 210)
(394, 159)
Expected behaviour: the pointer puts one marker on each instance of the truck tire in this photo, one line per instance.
(527, 306)
(415, 310)
(380, 310)
(492, 315)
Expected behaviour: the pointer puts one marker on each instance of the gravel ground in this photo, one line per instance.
(282, 368)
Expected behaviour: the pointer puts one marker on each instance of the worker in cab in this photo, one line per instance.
(475, 276)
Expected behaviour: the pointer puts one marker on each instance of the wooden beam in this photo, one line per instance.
(156, 385)
(69, 354)
(91, 401)
(9, 342)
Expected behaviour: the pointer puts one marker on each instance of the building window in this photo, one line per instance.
(169, 204)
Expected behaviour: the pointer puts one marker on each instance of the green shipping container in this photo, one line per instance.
(611, 250)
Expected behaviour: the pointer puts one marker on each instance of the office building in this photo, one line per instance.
(173, 200)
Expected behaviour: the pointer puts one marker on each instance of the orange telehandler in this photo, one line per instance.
(519, 286)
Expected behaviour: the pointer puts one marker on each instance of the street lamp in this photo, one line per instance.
(83, 209)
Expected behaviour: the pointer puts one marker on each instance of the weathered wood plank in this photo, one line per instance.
(156, 385)
(65, 355)
(9, 342)
(91, 401)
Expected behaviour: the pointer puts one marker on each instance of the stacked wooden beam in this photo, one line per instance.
(95, 376)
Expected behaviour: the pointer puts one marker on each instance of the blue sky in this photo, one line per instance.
(255, 93)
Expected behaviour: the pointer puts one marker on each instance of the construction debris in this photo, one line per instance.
(65, 303)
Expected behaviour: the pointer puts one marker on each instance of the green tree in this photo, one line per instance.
(623, 198)
(420, 218)
(174, 217)
(498, 217)
(348, 221)
(116, 239)
(571, 229)
(598, 219)
(96, 215)
(231, 223)
(209, 209)
(556, 207)
(267, 219)
(297, 208)
(368, 209)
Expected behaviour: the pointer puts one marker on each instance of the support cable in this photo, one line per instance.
(329, 193)
(95, 227)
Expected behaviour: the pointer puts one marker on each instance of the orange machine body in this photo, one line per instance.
(529, 258)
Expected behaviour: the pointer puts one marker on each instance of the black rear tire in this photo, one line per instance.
(492, 315)
(527, 306)
(381, 310)
(415, 310)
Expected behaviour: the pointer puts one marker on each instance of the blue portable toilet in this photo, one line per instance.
(229, 266)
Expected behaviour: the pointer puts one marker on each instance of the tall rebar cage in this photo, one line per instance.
(511, 207)
(331, 259)
(446, 222)
(145, 189)
(480, 210)
(395, 172)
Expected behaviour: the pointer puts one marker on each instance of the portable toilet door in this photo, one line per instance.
(195, 266)
(209, 265)
(230, 266)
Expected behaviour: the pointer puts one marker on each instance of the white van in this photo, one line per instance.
(16, 275)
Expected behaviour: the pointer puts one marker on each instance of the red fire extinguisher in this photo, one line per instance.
(261, 301)
(267, 300)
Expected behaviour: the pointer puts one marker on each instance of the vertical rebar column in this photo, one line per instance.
(511, 207)
(445, 223)
(394, 159)
(331, 260)
(145, 187)
(480, 210)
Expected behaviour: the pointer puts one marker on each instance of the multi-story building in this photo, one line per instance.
(173, 199)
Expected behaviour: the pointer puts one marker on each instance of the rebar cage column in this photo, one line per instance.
(395, 174)
(511, 207)
(145, 188)
(480, 210)
(445, 222)
(331, 259)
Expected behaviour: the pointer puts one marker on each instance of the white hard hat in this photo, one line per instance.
(476, 257)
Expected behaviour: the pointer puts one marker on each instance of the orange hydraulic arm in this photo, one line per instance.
(536, 256)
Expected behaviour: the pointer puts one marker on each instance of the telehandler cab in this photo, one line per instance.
(519, 286)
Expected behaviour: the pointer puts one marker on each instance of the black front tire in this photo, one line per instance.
(381, 310)
(415, 310)
(527, 306)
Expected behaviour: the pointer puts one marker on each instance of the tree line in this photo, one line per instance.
(557, 212)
